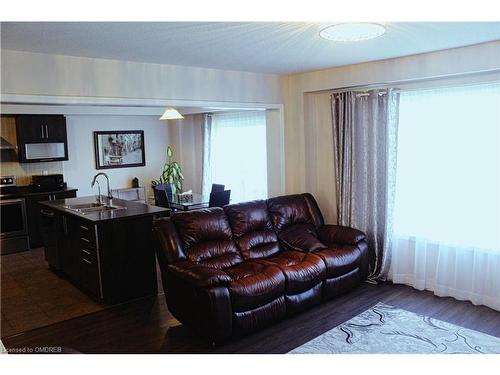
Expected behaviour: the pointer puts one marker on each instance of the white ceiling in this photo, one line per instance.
(267, 47)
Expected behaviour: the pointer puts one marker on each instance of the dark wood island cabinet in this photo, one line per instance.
(33, 200)
(108, 254)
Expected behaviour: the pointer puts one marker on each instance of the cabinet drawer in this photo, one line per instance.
(89, 275)
(89, 253)
(87, 234)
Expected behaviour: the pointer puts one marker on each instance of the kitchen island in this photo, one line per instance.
(105, 248)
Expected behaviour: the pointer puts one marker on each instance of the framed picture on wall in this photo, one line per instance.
(119, 149)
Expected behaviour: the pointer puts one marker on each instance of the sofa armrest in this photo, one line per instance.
(201, 276)
(168, 243)
(340, 235)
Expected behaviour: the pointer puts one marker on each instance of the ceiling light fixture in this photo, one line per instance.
(171, 114)
(352, 32)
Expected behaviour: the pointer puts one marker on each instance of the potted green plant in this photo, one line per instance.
(172, 173)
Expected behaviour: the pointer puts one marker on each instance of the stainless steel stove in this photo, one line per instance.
(14, 226)
(8, 181)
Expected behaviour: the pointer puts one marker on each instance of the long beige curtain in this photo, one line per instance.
(365, 142)
(206, 179)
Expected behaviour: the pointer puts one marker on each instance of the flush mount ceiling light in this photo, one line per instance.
(171, 114)
(352, 32)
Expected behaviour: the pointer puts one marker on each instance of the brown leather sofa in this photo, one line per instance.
(230, 271)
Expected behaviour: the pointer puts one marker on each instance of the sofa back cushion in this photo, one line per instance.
(206, 237)
(288, 210)
(252, 229)
(292, 219)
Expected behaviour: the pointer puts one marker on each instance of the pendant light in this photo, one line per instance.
(171, 114)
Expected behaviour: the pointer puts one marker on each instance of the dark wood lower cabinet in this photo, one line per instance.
(67, 247)
(113, 261)
(49, 225)
(36, 237)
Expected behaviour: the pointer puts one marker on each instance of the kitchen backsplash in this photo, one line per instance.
(23, 172)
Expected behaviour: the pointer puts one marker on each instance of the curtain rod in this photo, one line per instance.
(336, 90)
(362, 94)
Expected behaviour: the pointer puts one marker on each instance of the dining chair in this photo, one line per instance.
(219, 198)
(163, 195)
(217, 187)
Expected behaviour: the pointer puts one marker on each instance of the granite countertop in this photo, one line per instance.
(130, 209)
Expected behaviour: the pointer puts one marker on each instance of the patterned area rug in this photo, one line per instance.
(2, 348)
(384, 329)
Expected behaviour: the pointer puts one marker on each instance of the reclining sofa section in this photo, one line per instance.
(227, 272)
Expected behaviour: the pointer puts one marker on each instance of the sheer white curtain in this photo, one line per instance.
(235, 154)
(446, 218)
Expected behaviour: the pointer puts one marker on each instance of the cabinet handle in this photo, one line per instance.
(86, 261)
(65, 225)
(84, 239)
(84, 227)
(47, 213)
(47, 131)
(86, 252)
(43, 135)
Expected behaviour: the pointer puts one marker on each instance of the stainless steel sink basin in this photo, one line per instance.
(84, 206)
(93, 207)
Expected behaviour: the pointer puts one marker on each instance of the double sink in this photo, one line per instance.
(93, 207)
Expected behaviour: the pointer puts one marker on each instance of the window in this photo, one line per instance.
(236, 154)
(447, 187)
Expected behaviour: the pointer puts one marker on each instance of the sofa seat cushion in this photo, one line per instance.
(340, 260)
(198, 275)
(254, 284)
(302, 270)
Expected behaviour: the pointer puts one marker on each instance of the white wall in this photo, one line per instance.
(275, 153)
(309, 147)
(26, 73)
(318, 143)
(80, 168)
(186, 139)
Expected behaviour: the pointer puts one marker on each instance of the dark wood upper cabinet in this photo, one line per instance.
(41, 138)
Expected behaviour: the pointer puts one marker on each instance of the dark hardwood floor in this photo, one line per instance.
(146, 326)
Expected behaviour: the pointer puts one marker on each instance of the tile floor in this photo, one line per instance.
(31, 296)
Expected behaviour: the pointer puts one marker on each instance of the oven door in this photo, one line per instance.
(14, 226)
